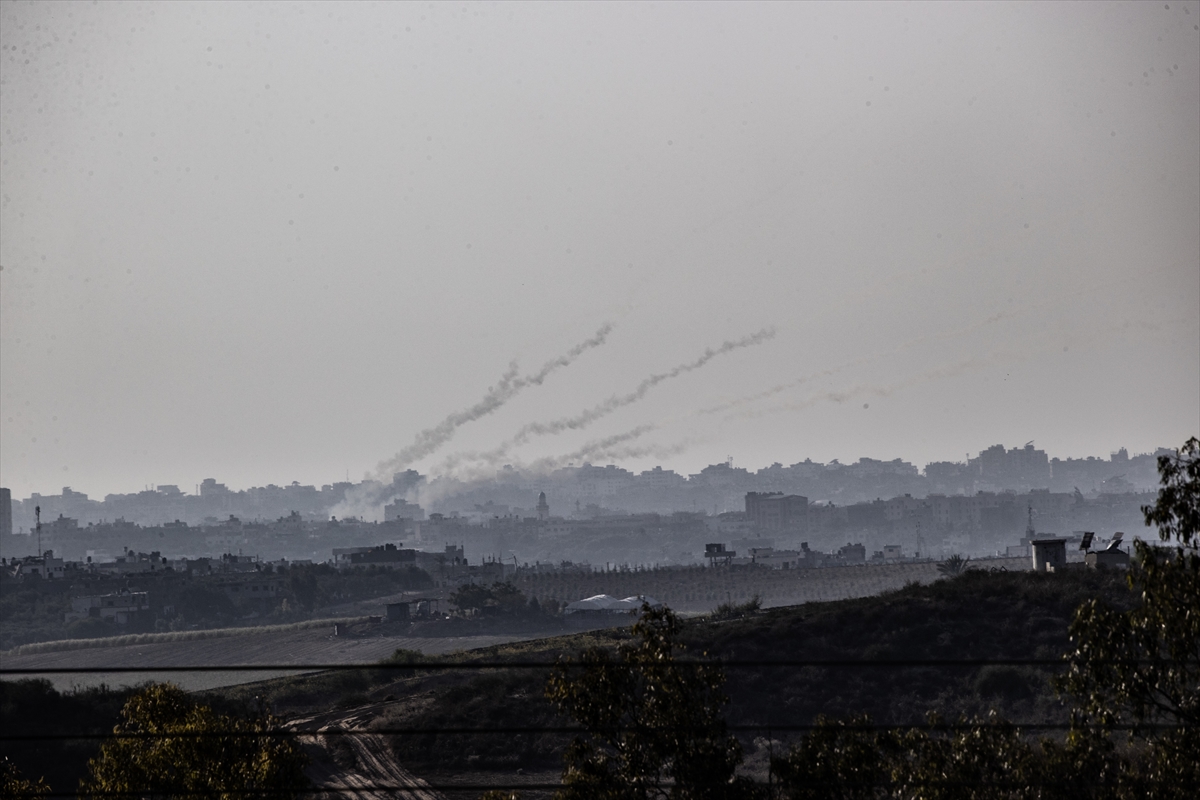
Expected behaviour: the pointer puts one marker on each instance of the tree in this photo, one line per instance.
(654, 723)
(952, 566)
(168, 745)
(732, 610)
(1177, 510)
(856, 760)
(198, 603)
(509, 599)
(501, 598)
(838, 761)
(470, 597)
(14, 784)
(1142, 666)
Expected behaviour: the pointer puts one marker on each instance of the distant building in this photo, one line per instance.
(853, 553)
(659, 479)
(120, 607)
(1019, 468)
(402, 509)
(776, 559)
(775, 511)
(543, 508)
(45, 566)
(245, 588)
(387, 556)
(6, 526)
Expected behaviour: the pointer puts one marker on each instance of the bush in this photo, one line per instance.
(732, 610)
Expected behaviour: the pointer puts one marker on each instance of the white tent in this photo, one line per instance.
(605, 604)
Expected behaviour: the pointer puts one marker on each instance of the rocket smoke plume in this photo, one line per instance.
(510, 384)
(366, 498)
(588, 416)
(953, 334)
(617, 446)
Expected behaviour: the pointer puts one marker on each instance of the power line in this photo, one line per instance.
(480, 787)
(553, 729)
(572, 664)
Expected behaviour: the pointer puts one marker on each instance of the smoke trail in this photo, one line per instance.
(603, 409)
(510, 384)
(366, 499)
(612, 453)
(862, 390)
(953, 334)
(593, 449)
(479, 474)
(610, 448)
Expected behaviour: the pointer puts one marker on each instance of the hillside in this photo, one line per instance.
(980, 615)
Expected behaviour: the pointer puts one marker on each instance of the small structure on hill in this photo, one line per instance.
(408, 610)
(1049, 555)
(717, 554)
(1111, 557)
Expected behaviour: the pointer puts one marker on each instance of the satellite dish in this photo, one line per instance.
(1115, 543)
(1087, 540)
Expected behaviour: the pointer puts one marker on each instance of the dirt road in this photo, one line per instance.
(280, 648)
(361, 762)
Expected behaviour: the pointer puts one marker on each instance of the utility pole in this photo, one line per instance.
(37, 516)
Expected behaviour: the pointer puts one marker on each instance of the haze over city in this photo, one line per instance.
(277, 242)
(599, 399)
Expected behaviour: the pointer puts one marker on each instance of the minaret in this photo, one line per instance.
(543, 508)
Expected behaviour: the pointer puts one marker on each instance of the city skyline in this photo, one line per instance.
(1112, 455)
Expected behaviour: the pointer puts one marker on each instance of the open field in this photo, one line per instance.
(284, 645)
(701, 589)
(689, 591)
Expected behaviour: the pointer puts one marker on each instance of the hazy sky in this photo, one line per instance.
(274, 242)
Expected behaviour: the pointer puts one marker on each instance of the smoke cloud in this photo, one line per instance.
(589, 450)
